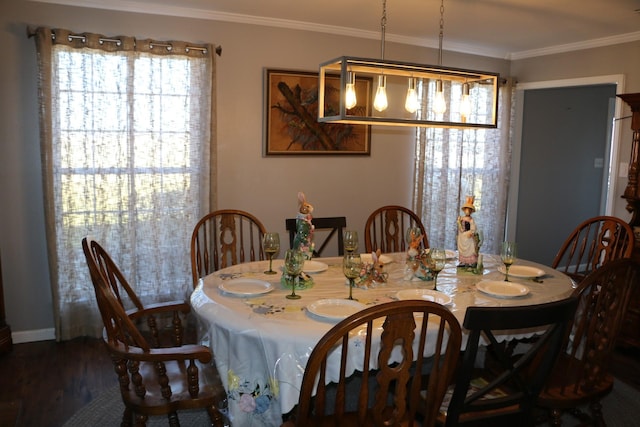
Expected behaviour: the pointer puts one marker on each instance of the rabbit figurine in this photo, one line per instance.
(303, 240)
(374, 273)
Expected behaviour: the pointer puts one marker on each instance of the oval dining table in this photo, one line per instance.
(261, 340)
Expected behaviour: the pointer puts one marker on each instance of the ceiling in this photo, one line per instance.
(509, 29)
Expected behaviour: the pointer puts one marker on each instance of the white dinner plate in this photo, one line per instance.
(366, 258)
(522, 271)
(424, 294)
(500, 288)
(335, 309)
(449, 254)
(311, 267)
(245, 287)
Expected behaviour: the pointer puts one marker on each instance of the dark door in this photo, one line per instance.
(565, 139)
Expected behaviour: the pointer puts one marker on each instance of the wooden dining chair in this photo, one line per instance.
(508, 385)
(156, 377)
(592, 244)
(223, 238)
(582, 375)
(373, 357)
(386, 229)
(332, 226)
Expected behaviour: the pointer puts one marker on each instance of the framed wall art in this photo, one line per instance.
(291, 117)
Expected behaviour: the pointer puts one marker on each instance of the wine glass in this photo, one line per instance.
(438, 261)
(508, 255)
(351, 266)
(271, 246)
(293, 264)
(350, 241)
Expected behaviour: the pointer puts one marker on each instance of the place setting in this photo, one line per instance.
(507, 288)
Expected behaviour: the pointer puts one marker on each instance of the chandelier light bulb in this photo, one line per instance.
(465, 103)
(439, 103)
(411, 103)
(380, 102)
(350, 99)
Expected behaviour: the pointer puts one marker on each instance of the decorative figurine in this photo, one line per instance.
(373, 273)
(416, 268)
(303, 240)
(468, 237)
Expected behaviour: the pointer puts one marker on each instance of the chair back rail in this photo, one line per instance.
(386, 229)
(334, 225)
(223, 238)
(155, 377)
(386, 388)
(582, 374)
(593, 243)
(508, 384)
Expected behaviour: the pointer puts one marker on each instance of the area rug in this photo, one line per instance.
(621, 409)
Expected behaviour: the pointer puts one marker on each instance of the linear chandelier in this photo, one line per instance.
(391, 93)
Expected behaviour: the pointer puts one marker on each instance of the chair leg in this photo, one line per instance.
(173, 419)
(217, 420)
(556, 417)
(126, 418)
(596, 411)
(216, 417)
(141, 420)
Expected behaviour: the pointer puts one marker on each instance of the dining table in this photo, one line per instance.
(261, 340)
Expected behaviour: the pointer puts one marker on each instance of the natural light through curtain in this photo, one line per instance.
(454, 163)
(126, 142)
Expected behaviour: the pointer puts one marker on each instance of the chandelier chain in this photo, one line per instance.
(441, 35)
(383, 27)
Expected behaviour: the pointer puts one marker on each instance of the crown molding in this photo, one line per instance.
(570, 47)
(186, 12)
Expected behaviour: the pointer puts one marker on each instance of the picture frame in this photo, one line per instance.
(291, 124)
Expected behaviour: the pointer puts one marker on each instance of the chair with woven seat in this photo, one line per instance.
(592, 244)
(333, 225)
(582, 374)
(386, 229)
(508, 385)
(386, 347)
(154, 378)
(223, 238)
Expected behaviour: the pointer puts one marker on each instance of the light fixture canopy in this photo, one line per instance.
(332, 106)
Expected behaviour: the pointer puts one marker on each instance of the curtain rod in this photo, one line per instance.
(31, 32)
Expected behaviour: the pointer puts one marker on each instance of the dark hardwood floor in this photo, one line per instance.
(44, 383)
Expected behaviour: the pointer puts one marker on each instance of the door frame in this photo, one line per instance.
(516, 149)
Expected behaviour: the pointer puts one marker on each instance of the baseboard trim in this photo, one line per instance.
(33, 335)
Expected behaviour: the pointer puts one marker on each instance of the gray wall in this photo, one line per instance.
(385, 176)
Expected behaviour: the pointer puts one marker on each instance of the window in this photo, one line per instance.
(129, 155)
(454, 163)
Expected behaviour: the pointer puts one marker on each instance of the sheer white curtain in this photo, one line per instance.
(453, 163)
(127, 140)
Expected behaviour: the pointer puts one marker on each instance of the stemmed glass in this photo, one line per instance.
(293, 264)
(350, 241)
(351, 266)
(508, 255)
(271, 246)
(439, 259)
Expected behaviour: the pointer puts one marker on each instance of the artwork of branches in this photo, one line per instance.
(291, 117)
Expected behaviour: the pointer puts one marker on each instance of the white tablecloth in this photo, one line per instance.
(261, 343)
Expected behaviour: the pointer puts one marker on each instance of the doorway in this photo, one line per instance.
(561, 168)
